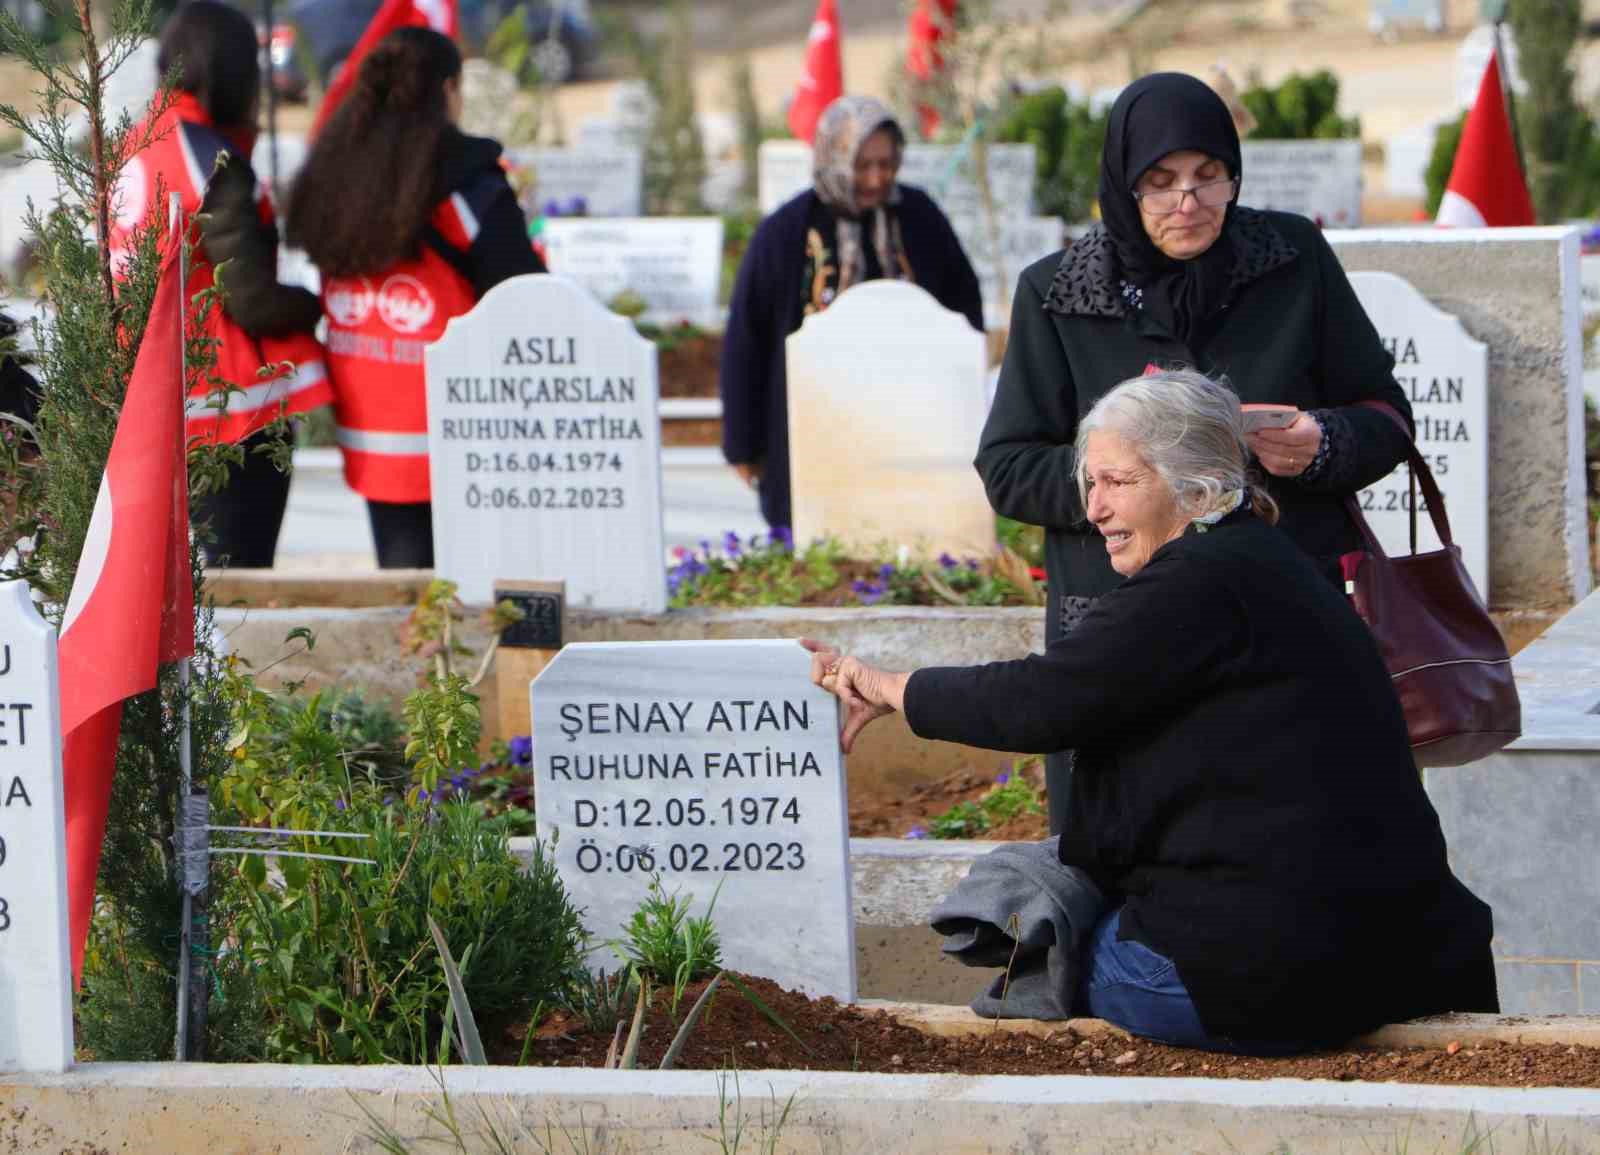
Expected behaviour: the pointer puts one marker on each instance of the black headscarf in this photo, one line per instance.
(1155, 115)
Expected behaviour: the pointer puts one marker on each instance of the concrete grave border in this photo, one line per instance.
(201, 1109)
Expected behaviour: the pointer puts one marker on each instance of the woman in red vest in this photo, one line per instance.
(410, 221)
(200, 148)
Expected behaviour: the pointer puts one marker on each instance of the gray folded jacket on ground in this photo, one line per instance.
(1020, 898)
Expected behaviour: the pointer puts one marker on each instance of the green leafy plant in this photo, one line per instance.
(601, 1000)
(1304, 106)
(1012, 796)
(1067, 138)
(663, 943)
(336, 953)
(963, 820)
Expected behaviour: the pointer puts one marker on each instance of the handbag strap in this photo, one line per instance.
(1421, 475)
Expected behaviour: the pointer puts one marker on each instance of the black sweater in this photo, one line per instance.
(1244, 782)
(1293, 333)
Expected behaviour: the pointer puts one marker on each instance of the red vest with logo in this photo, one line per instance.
(378, 326)
(180, 160)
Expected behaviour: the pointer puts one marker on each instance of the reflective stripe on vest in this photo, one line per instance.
(266, 395)
(383, 444)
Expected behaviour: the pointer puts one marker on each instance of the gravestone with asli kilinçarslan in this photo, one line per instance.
(35, 963)
(544, 444)
(715, 766)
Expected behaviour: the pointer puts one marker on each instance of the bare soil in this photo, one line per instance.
(828, 1036)
(689, 366)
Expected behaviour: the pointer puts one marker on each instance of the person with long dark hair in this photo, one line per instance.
(410, 221)
(1178, 274)
(199, 146)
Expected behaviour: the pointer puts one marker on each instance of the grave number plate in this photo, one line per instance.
(540, 627)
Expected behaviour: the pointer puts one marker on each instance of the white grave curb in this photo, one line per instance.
(198, 1108)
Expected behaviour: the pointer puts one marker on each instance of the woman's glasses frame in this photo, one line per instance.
(1211, 195)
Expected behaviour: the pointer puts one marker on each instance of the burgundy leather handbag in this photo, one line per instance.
(1449, 663)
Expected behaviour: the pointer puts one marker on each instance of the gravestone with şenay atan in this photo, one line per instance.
(35, 963)
(544, 442)
(715, 766)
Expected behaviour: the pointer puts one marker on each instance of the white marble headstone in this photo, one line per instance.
(1445, 373)
(944, 172)
(544, 448)
(610, 181)
(35, 961)
(886, 401)
(1320, 179)
(673, 263)
(1023, 240)
(715, 765)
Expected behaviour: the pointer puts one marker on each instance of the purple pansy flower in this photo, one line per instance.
(947, 562)
(1003, 777)
(916, 832)
(521, 749)
(783, 536)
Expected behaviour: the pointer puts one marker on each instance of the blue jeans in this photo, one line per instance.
(1140, 991)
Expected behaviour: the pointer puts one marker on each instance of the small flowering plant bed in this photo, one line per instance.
(768, 570)
(1007, 805)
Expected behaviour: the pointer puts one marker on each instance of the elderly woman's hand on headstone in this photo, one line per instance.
(867, 692)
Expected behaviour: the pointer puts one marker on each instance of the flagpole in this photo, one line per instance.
(185, 761)
(1504, 67)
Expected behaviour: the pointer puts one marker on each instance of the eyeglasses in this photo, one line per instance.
(1162, 201)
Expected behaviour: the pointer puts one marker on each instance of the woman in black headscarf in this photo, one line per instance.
(1178, 274)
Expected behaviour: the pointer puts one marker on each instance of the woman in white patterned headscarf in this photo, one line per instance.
(856, 223)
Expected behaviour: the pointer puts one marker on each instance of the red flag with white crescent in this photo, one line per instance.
(1486, 188)
(132, 603)
(823, 80)
(440, 15)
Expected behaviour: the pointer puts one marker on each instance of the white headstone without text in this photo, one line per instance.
(886, 401)
(609, 181)
(1444, 372)
(35, 960)
(715, 765)
(1320, 179)
(544, 448)
(673, 263)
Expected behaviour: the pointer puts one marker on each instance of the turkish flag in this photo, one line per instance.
(132, 602)
(823, 81)
(1486, 187)
(440, 15)
(930, 20)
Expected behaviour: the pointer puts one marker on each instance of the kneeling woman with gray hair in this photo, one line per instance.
(1245, 793)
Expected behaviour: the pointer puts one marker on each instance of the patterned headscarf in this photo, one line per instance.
(842, 129)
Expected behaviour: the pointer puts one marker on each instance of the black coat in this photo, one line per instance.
(1294, 333)
(1244, 783)
(768, 304)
